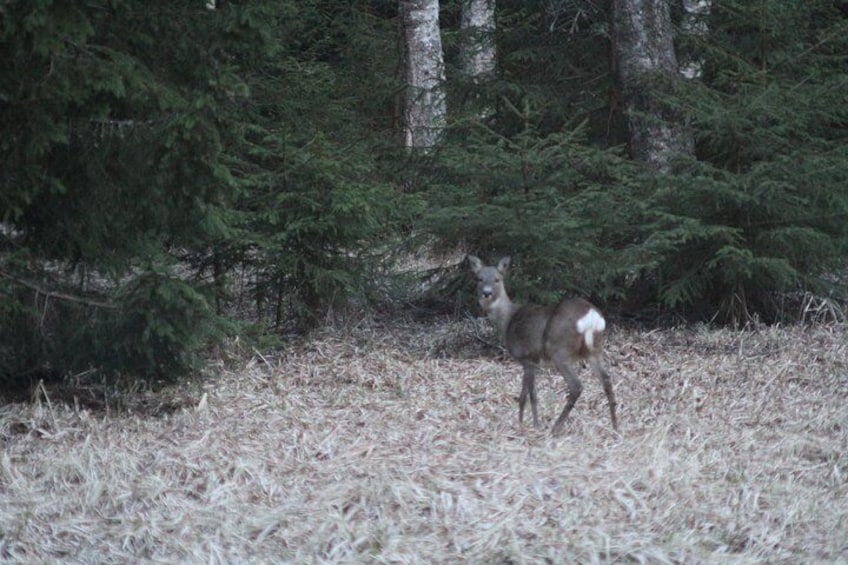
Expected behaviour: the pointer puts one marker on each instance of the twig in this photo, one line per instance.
(475, 322)
(264, 360)
(53, 294)
(41, 390)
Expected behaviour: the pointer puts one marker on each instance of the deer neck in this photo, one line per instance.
(500, 313)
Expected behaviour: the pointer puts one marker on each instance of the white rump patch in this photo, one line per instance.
(590, 323)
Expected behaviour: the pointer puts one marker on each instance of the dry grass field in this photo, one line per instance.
(402, 445)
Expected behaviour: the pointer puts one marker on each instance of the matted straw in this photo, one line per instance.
(402, 445)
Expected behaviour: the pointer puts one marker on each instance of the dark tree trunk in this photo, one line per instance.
(646, 67)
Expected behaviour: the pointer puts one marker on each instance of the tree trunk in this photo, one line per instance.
(695, 13)
(645, 67)
(478, 53)
(426, 110)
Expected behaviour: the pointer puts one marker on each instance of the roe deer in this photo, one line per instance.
(563, 334)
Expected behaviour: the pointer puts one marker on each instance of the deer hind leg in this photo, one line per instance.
(575, 388)
(606, 382)
(528, 389)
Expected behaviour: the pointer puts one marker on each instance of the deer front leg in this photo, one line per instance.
(528, 389)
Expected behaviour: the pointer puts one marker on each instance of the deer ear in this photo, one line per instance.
(476, 264)
(503, 264)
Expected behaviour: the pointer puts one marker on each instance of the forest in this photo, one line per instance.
(175, 174)
(237, 320)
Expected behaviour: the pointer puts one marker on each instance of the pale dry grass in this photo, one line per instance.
(402, 445)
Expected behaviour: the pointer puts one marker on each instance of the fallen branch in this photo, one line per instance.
(58, 295)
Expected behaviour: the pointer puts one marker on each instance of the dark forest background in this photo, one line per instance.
(173, 174)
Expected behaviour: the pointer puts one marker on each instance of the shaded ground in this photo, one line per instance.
(402, 445)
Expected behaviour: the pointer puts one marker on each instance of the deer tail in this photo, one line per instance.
(590, 323)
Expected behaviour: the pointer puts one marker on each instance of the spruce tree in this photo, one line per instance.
(760, 216)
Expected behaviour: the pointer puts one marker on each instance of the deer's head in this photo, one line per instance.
(490, 283)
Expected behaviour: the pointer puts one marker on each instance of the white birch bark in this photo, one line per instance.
(477, 55)
(426, 108)
(694, 22)
(645, 64)
(478, 52)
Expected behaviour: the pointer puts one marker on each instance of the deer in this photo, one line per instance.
(563, 334)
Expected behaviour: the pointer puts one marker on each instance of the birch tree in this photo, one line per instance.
(695, 13)
(478, 55)
(426, 108)
(645, 64)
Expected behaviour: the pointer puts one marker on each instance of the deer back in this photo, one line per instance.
(525, 334)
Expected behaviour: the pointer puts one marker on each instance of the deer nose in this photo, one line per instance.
(486, 292)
